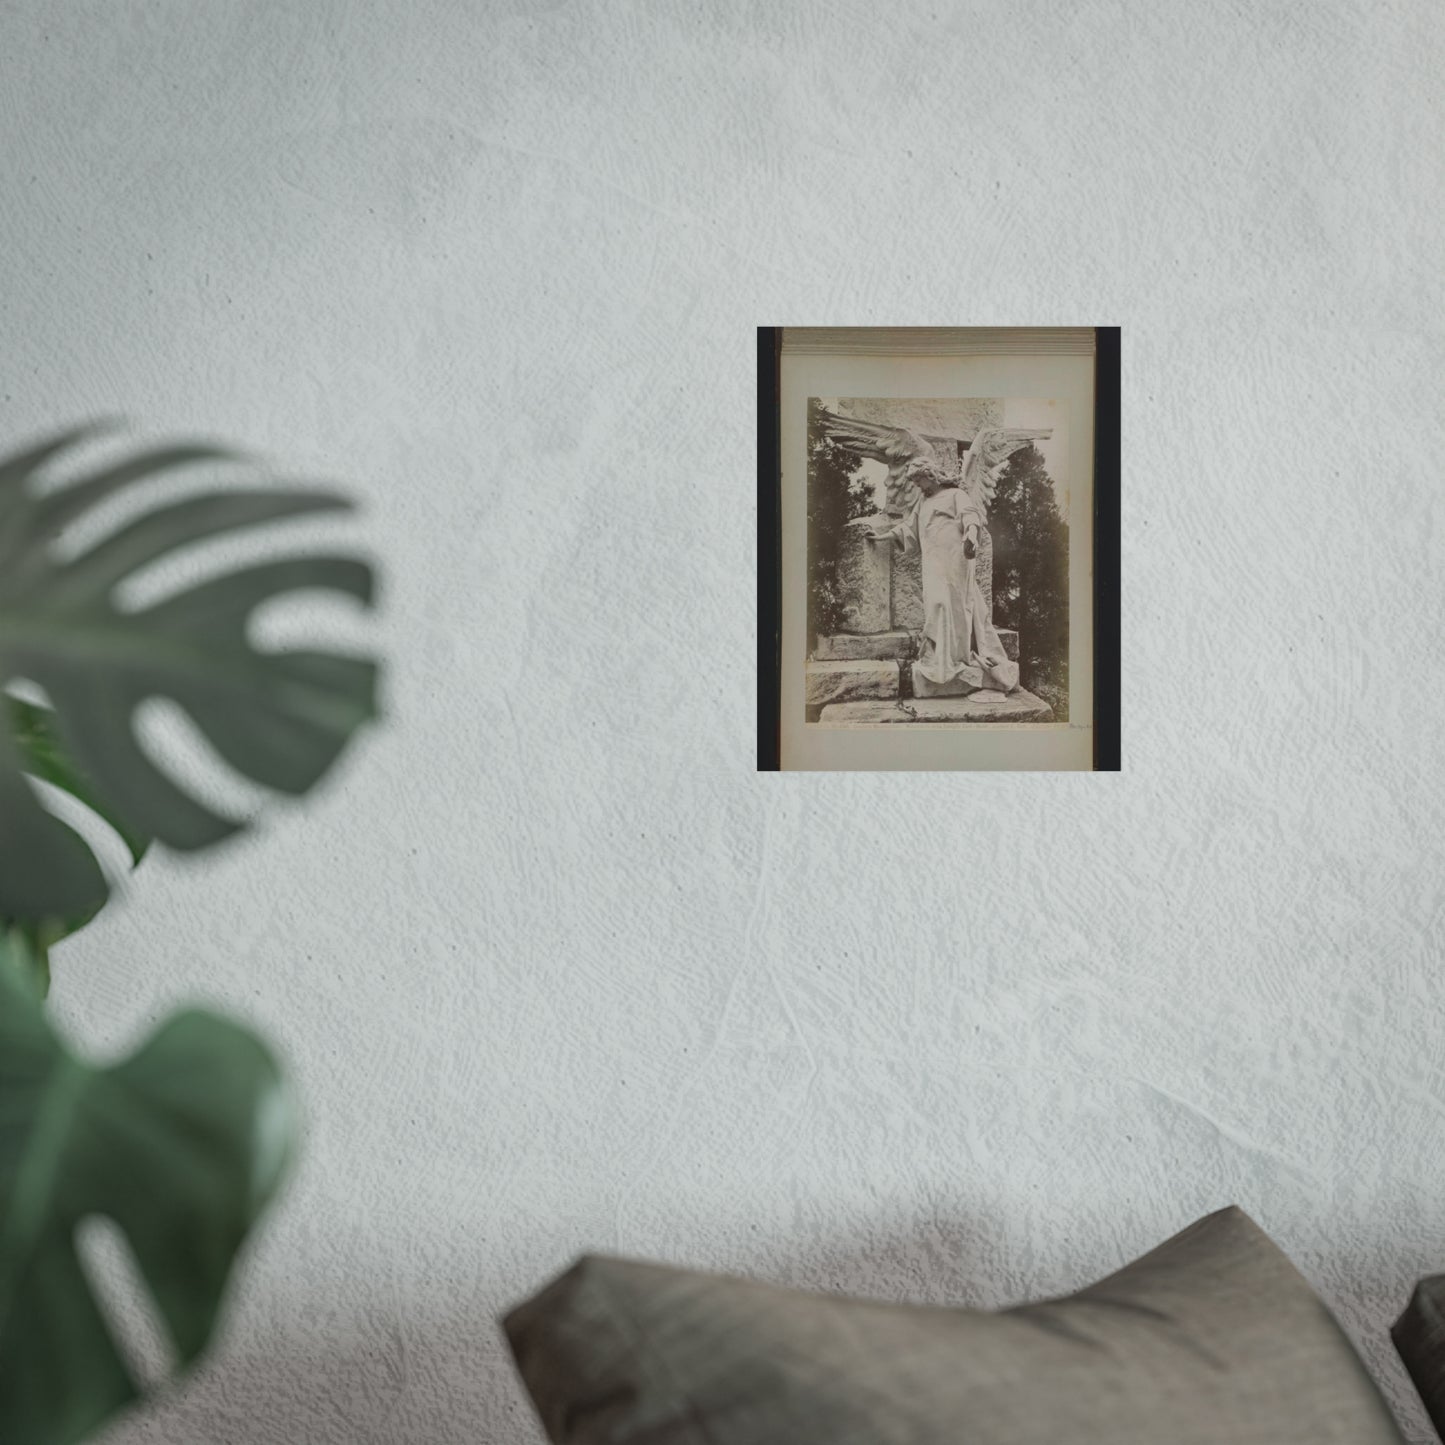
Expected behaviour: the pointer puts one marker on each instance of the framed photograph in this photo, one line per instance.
(938, 548)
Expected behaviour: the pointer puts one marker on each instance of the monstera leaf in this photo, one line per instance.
(181, 1144)
(33, 729)
(280, 718)
(35, 732)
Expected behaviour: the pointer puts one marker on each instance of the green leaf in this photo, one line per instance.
(280, 718)
(42, 756)
(182, 1145)
(26, 957)
(36, 733)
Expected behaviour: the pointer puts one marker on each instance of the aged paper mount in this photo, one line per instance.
(936, 546)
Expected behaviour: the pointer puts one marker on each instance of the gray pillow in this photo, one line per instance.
(1419, 1336)
(1212, 1337)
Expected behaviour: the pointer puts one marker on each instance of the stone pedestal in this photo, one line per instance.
(848, 646)
(906, 597)
(864, 568)
(829, 682)
(979, 707)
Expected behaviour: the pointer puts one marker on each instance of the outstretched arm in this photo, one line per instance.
(902, 533)
(894, 533)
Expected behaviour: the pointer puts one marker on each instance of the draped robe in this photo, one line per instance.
(957, 632)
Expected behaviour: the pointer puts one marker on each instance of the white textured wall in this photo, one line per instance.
(554, 968)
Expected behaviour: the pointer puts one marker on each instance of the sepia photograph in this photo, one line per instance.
(937, 553)
(938, 562)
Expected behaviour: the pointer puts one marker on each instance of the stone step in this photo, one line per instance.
(978, 707)
(834, 682)
(845, 646)
(851, 646)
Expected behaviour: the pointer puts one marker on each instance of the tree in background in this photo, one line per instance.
(1031, 575)
(836, 495)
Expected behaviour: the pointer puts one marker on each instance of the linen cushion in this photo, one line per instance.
(1419, 1336)
(1212, 1337)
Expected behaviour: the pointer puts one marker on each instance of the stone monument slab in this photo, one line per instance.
(864, 569)
(829, 682)
(980, 707)
(849, 646)
(907, 591)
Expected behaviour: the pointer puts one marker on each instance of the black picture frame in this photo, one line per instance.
(1106, 558)
(1107, 562)
(770, 549)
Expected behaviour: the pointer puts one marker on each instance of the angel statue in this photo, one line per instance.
(896, 447)
(939, 517)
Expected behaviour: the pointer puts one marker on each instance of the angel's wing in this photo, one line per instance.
(988, 455)
(892, 444)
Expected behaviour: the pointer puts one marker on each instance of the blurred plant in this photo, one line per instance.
(184, 1143)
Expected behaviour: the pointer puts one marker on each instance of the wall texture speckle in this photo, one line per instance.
(553, 967)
